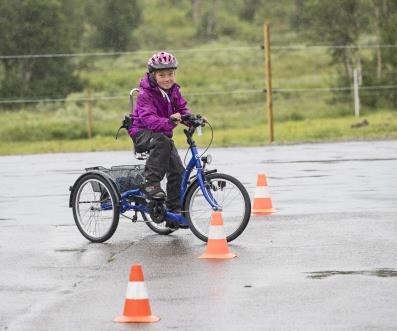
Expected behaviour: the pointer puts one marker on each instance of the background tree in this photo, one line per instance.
(115, 22)
(39, 27)
(382, 67)
(249, 8)
(196, 11)
(378, 13)
(209, 21)
(337, 22)
(298, 13)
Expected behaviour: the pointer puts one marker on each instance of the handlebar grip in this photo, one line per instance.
(188, 117)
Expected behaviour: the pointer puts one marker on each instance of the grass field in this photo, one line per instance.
(237, 112)
(382, 125)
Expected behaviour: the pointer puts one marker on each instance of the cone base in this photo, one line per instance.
(136, 319)
(263, 211)
(218, 256)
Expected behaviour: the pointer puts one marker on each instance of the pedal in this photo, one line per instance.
(135, 217)
(172, 224)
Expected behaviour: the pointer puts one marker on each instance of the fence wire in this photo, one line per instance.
(195, 50)
(193, 93)
(214, 93)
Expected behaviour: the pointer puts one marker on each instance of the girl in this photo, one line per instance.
(159, 108)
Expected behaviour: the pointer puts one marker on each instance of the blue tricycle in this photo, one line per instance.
(101, 195)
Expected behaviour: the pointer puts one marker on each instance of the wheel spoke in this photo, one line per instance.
(228, 193)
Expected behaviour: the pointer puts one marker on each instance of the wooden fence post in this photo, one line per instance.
(268, 77)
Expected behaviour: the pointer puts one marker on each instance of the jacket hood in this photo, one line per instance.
(146, 83)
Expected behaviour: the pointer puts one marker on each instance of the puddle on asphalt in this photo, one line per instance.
(70, 250)
(377, 273)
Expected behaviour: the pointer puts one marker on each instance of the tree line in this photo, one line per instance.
(68, 26)
(58, 27)
(349, 23)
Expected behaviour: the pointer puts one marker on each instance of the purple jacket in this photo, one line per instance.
(153, 109)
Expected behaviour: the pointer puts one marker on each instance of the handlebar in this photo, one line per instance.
(194, 120)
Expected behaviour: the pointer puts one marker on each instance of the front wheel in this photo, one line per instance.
(230, 195)
(95, 207)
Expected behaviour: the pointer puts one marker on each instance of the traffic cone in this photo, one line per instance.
(217, 244)
(262, 202)
(136, 306)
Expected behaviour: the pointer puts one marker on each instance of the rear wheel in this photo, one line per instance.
(96, 209)
(231, 196)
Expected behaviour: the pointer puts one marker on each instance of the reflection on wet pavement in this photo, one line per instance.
(332, 161)
(66, 250)
(336, 216)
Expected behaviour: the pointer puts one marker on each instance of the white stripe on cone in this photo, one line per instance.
(262, 192)
(136, 290)
(216, 232)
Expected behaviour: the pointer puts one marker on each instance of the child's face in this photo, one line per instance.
(165, 78)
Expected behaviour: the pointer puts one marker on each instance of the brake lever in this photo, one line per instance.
(199, 131)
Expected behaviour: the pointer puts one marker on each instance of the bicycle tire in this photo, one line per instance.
(235, 216)
(88, 186)
(159, 228)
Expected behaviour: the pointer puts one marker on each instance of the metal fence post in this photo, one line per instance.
(89, 113)
(356, 94)
(268, 77)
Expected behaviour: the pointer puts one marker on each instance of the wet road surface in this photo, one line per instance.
(326, 260)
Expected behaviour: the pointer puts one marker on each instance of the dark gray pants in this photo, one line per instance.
(163, 160)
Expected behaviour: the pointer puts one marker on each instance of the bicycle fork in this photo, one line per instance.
(195, 162)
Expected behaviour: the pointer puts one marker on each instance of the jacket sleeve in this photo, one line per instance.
(181, 104)
(149, 117)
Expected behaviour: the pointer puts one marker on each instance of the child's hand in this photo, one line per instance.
(176, 118)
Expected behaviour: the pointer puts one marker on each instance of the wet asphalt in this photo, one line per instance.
(327, 259)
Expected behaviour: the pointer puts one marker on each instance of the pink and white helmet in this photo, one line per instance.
(162, 60)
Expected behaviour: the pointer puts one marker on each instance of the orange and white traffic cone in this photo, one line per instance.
(262, 202)
(217, 244)
(136, 306)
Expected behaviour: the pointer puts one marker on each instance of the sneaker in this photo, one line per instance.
(153, 191)
(174, 225)
(179, 225)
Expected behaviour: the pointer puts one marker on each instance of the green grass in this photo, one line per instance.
(382, 125)
(238, 118)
